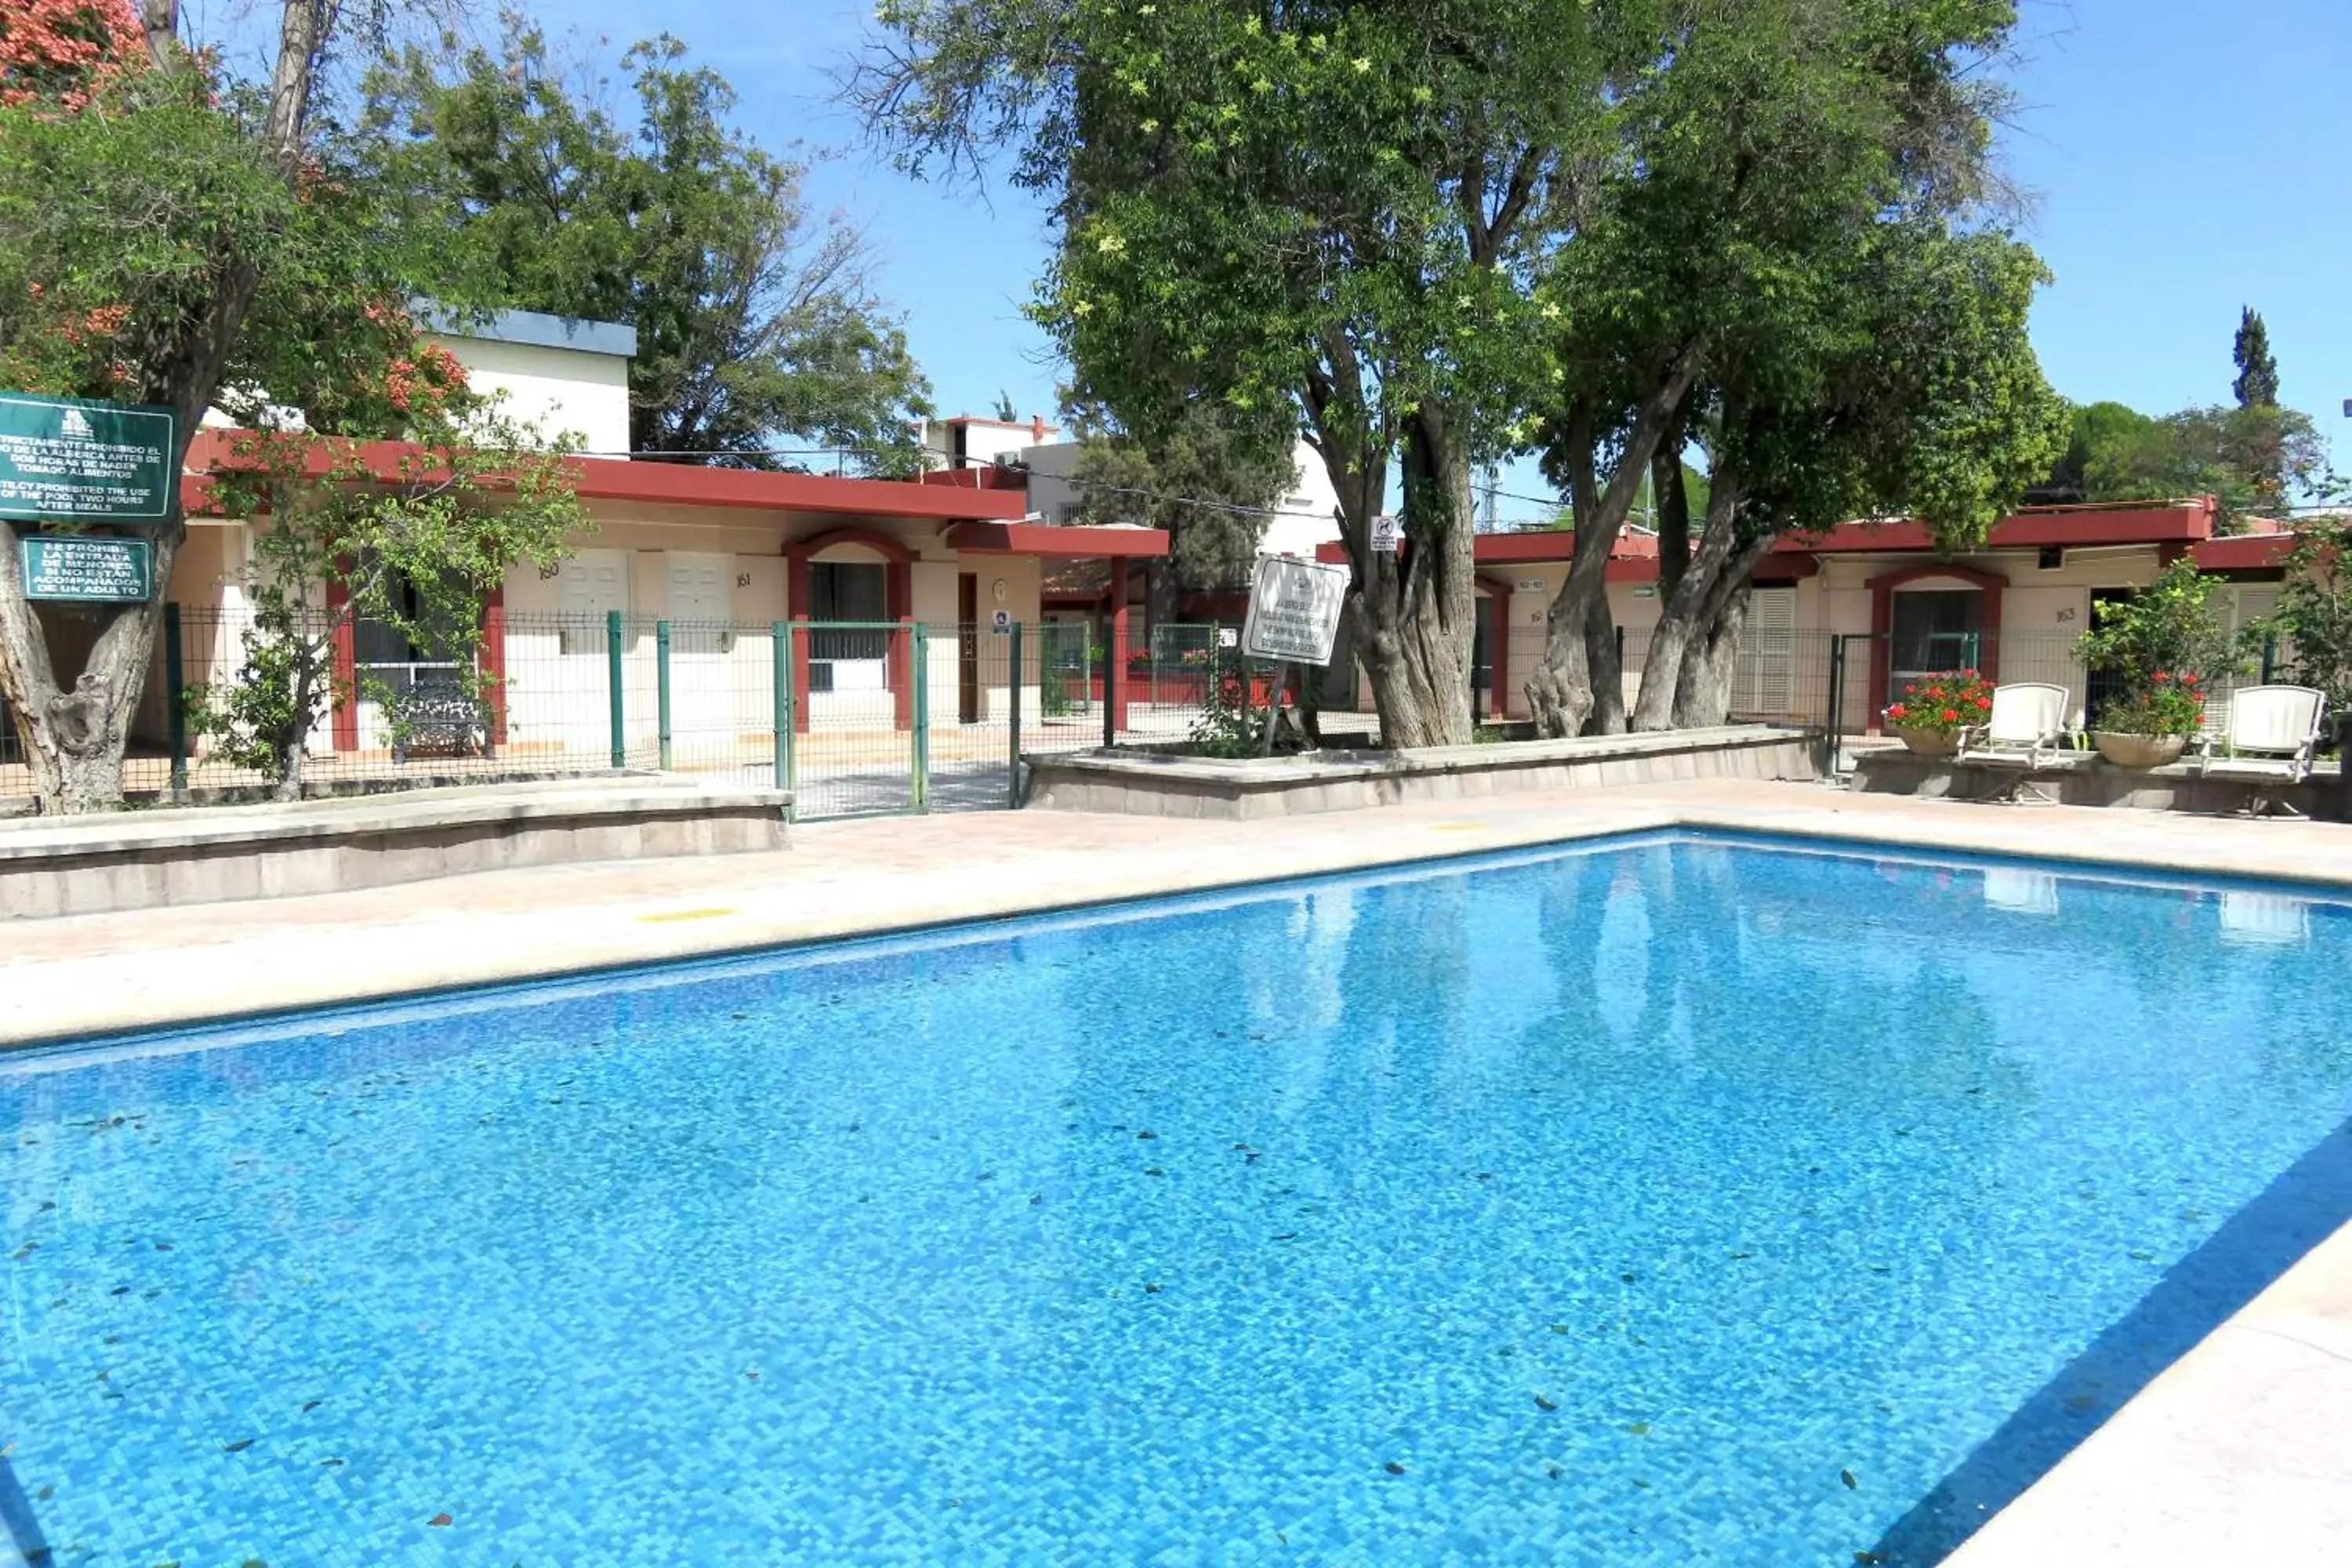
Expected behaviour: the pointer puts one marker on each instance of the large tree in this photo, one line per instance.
(1337, 211)
(1766, 159)
(2257, 385)
(169, 235)
(757, 327)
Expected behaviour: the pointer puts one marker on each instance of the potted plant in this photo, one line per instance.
(2161, 645)
(1938, 711)
(2150, 724)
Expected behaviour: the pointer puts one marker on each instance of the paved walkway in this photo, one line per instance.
(2241, 1453)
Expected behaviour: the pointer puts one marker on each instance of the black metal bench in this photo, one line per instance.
(435, 718)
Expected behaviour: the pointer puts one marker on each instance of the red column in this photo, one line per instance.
(796, 605)
(899, 593)
(1115, 661)
(492, 654)
(345, 727)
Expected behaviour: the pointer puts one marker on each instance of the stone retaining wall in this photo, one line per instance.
(129, 860)
(1147, 784)
(2085, 778)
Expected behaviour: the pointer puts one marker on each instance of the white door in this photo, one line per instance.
(1764, 675)
(556, 677)
(702, 669)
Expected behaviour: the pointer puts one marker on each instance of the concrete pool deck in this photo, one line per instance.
(2240, 1452)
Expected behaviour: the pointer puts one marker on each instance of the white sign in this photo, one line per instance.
(1294, 610)
(1387, 533)
(1001, 622)
(1229, 637)
(1532, 585)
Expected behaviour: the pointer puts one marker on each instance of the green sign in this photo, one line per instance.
(69, 458)
(92, 568)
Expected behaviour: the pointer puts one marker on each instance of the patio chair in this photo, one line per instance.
(2271, 735)
(2026, 730)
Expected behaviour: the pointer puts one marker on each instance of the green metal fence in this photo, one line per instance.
(855, 718)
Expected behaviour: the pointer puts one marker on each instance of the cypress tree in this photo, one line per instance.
(2257, 382)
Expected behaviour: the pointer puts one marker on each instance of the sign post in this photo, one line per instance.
(75, 460)
(1388, 532)
(1294, 619)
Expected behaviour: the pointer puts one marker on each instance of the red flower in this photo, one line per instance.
(2161, 677)
(1984, 701)
(2190, 679)
(1895, 712)
(1950, 717)
(1911, 690)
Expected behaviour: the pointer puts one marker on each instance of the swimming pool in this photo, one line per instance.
(1673, 1200)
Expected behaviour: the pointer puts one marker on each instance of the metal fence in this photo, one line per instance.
(855, 718)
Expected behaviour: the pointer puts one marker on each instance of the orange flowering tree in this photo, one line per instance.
(56, 52)
(217, 252)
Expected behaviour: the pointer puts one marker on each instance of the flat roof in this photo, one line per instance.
(533, 329)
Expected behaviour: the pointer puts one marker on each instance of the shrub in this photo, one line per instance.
(2165, 705)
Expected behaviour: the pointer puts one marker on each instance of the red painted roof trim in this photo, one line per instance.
(681, 484)
(1043, 539)
(2243, 552)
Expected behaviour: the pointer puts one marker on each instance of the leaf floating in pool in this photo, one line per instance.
(1154, 1171)
(1147, 1135)
(1394, 1468)
(163, 1246)
(1151, 1289)
(312, 1405)
(1036, 1198)
(1287, 1236)
(739, 1017)
(1629, 1279)
(985, 1176)
(1543, 1403)
(1553, 1472)
(120, 1290)
(2142, 1254)
(1639, 1428)
(2081, 1402)
(329, 1464)
(45, 1494)
(751, 1376)
(1486, 1175)
(1847, 1477)
(1867, 1560)
(440, 1520)
(1741, 1257)
(1559, 1327)
(239, 1447)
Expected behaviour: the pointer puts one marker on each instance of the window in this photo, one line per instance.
(1935, 631)
(845, 591)
(384, 651)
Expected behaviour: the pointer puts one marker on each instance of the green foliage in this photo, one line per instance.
(2255, 460)
(1207, 476)
(1232, 722)
(2172, 627)
(757, 328)
(2257, 385)
(2159, 704)
(2313, 621)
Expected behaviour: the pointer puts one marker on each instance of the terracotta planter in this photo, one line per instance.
(2139, 751)
(1930, 742)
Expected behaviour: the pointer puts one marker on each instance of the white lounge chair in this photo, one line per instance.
(2025, 730)
(2271, 735)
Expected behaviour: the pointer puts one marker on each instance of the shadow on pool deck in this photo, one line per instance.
(25, 1537)
(2308, 1203)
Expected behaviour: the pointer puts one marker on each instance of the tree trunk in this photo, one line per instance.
(1419, 608)
(1687, 612)
(1710, 658)
(1576, 688)
(74, 736)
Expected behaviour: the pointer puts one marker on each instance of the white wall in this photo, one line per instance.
(572, 393)
(1304, 516)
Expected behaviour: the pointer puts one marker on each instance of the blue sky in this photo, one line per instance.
(2184, 157)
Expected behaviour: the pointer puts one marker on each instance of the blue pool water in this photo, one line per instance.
(1667, 1201)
